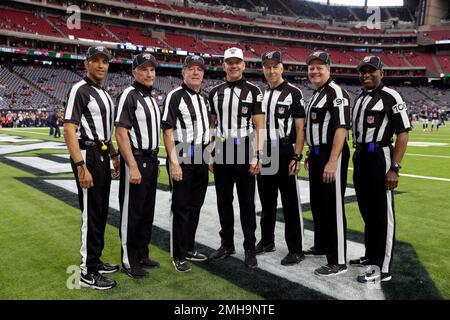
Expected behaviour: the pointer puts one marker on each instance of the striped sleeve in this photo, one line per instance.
(397, 111)
(211, 95)
(341, 109)
(298, 105)
(258, 107)
(76, 101)
(125, 108)
(171, 104)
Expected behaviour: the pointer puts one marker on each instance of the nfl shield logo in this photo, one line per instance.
(370, 119)
(313, 116)
(244, 110)
(281, 110)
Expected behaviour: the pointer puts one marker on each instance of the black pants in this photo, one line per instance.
(232, 158)
(327, 204)
(137, 208)
(188, 196)
(268, 186)
(94, 205)
(57, 131)
(376, 204)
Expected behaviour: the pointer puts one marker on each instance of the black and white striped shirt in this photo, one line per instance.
(378, 114)
(92, 109)
(138, 111)
(187, 112)
(328, 109)
(234, 103)
(283, 104)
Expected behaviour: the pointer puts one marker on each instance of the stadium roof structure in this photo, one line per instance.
(361, 3)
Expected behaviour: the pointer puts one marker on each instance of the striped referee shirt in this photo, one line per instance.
(327, 110)
(187, 112)
(92, 109)
(378, 114)
(234, 103)
(282, 104)
(138, 111)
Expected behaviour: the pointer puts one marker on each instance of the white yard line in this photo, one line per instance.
(426, 155)
(418, 177)
(33, 132)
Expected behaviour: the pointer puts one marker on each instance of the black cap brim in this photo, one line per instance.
(311, 58)
(362, 65)
(106, 54)
(195, 62)
(154, 63)
(266, 60)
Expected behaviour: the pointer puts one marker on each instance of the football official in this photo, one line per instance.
(285, 120)
(138, 124)
(236, 114)
(88, 126)
(327, 125)
(185, 123)
(378, 114)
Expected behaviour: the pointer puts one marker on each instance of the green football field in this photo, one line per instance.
(40, 236)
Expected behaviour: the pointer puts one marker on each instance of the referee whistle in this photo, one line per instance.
(104, 147)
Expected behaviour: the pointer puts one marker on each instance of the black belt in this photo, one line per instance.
(147, 152)
(316, 149)
(282, 142)
(191, 148)
(371, 146)
(90, 144)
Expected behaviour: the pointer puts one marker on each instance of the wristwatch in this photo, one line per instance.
(259, 154)
(396, 167)
(297, 157)
(79, 163)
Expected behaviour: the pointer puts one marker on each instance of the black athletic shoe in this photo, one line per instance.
(292, 258)
(196, 256)
(331, 270)
(149, 263)
(260, 248)
(314, 252)
(363, 261)
(135, 272)
(104, 268)
(222, 253)
(95, 280)
(181, 265)
(250, 259)
(372, 276)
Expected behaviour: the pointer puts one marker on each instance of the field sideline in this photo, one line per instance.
(39, 236)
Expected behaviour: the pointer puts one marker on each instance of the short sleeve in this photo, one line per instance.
(298, 104)
(170, 111)
(398, 115)
(125, 110)
(258, 107)
(341, 109)
(76, 102)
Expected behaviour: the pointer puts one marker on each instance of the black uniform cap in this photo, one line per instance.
(320, 55)
(142, 58)
(92, 51)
